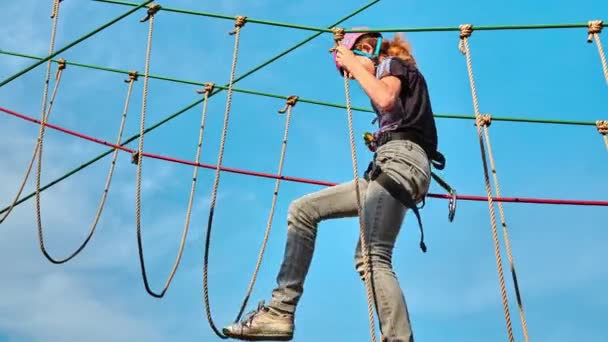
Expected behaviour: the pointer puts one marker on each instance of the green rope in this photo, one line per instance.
(328, 30)
(304, 100)
(76, 42)
(172, 116)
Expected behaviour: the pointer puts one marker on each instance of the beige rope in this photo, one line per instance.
(594, 30)
(338, 36)
(465, 33)
(485, 121)
(239, 23)
(289, 104)
(55, 17)
(137, 158)
(60, 67)
(602, 128)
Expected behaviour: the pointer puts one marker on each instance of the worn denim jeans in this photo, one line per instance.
(408, 165)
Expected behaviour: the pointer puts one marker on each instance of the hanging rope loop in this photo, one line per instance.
(133, 76)
(465, 32)
(239, 22)
(291, 102)
(152, 10)
(602, 126)
(338, 36)
(594, 27)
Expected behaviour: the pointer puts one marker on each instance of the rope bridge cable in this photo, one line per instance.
(314, 101)
(74, 43)
(290, 103)
(121, 147)
(485, 121)
(238, 24)
(44, 114)
(183, 110)
(328, 30)
(465, 33)
(594, 30)
(137, 159)
(368, 273)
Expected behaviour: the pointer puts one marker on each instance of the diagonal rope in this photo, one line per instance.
(239, 22)
(55, 17)
(338, 36)
(486, 121)
(594, 30)
(465, 33)
(137, 159)
(291, 102)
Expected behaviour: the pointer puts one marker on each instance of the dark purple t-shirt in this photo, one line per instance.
(412, 112)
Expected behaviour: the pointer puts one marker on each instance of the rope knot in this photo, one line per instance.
(338, 36)
(135, 158)
(61, 65)
(465, 32)
(291, 101)
(152, 10)
(208, 88)
(602, 126)
(133, 76)
(594, 27)
(55, 8)
(239, 22)
(484, 120)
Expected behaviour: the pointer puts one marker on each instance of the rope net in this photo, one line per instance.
(482, 123)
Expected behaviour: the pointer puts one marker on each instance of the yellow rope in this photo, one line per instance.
(44, 116)
(239, 23)
(465, 32)
(137, 158)
(602, 128)
(595, 28)
(486, 121)
(290, 103)
(338, 36)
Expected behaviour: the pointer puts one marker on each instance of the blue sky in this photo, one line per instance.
(452, 290)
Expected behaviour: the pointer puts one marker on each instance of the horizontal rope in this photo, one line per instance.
(325, 30)
(310, 101)
(296, 179)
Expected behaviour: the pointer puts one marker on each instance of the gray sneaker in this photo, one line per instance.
(263, 324)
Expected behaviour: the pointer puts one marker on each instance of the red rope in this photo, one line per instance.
(302, 180)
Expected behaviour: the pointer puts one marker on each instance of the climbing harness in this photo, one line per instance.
(365, 251)
(483, 121)
(290, 103)
(375, 173)
(240, 21)
(44, 114)
(137, 159)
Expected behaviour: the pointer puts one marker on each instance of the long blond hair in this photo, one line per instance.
(396, 47)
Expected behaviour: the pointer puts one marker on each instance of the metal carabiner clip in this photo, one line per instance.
(452, 205)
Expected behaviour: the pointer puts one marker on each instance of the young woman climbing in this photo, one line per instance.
(398, 177)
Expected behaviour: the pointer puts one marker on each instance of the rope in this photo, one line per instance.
(486, 121)
(55, 17)
(338, 36)
(594, 30)
(602, 128)
(239, 23)
(137, 159)
(132, 78)
(289, 104)
(465, 33)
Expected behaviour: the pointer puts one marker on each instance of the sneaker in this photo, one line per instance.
(263, 324)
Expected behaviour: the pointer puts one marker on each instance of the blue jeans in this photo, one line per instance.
(408, 165)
